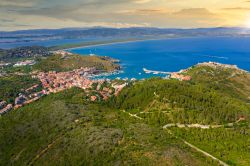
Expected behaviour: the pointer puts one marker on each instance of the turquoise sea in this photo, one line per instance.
(171, 55)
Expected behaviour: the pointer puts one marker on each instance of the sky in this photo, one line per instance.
(38, 14)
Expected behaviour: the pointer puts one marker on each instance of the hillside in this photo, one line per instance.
(14, 54)
(62, 128)
(128, 129)
(71, 62)
(232, 81)
(12, 85)
(216, 100)
(183, 102)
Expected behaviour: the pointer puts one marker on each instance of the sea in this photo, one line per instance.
(154, 58)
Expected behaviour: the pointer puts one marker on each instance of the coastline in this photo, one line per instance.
(138, 72)
(111, 43)
(128, 41)
(133, 41)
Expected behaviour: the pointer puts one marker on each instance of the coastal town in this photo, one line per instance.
(54, 82)
(125, 83)
(96, 89)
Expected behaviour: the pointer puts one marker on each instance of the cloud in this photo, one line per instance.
(141, 1)
(238, 8)
(16, 3)
(152, 11)
(197, 12)
(52, 3)
(118, 13)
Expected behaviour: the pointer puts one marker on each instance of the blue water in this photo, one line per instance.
(6, 43)
(173, 54)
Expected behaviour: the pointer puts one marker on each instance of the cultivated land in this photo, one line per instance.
(128, 128)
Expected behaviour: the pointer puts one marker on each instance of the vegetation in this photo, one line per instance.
(18, 79)
(61, 63)
(231, 145)
(65, 128)
(71, 62)
(21, 69)
(184, 102)
(230, 81)
(62, 128)
(15, 54)
(12, 85)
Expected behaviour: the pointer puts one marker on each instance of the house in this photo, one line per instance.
(3, 104)
(6, 109)
(93, 98)
(20, 100)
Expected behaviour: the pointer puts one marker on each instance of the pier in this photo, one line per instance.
(155, 72)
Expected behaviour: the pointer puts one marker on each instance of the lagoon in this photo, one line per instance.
(170, 55)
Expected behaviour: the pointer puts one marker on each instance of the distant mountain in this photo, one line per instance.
(55, 37)
(122, 32)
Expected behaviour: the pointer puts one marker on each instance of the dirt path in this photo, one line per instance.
(184, 141)
(191, 126)
(132, 115)
(205, 153)
(198, 149)
(41, 153)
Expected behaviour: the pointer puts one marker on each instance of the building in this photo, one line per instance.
(6, 109)
(180, 77)
(20, 100)
(3, 104)
(25, 63)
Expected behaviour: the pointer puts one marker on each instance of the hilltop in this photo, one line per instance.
(226, 78)
(71, 62)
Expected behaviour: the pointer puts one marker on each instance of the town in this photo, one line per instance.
(54, 82)
(96, 90)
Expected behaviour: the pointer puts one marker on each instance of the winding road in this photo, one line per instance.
(184, 141)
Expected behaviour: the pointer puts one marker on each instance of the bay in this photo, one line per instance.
(170, 55)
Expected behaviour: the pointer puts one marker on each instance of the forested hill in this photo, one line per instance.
(64, 128)
(213, 96)
(232, 81)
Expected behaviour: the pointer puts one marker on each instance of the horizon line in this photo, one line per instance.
(106, 27)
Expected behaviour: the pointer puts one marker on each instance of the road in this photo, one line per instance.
(184, 141)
